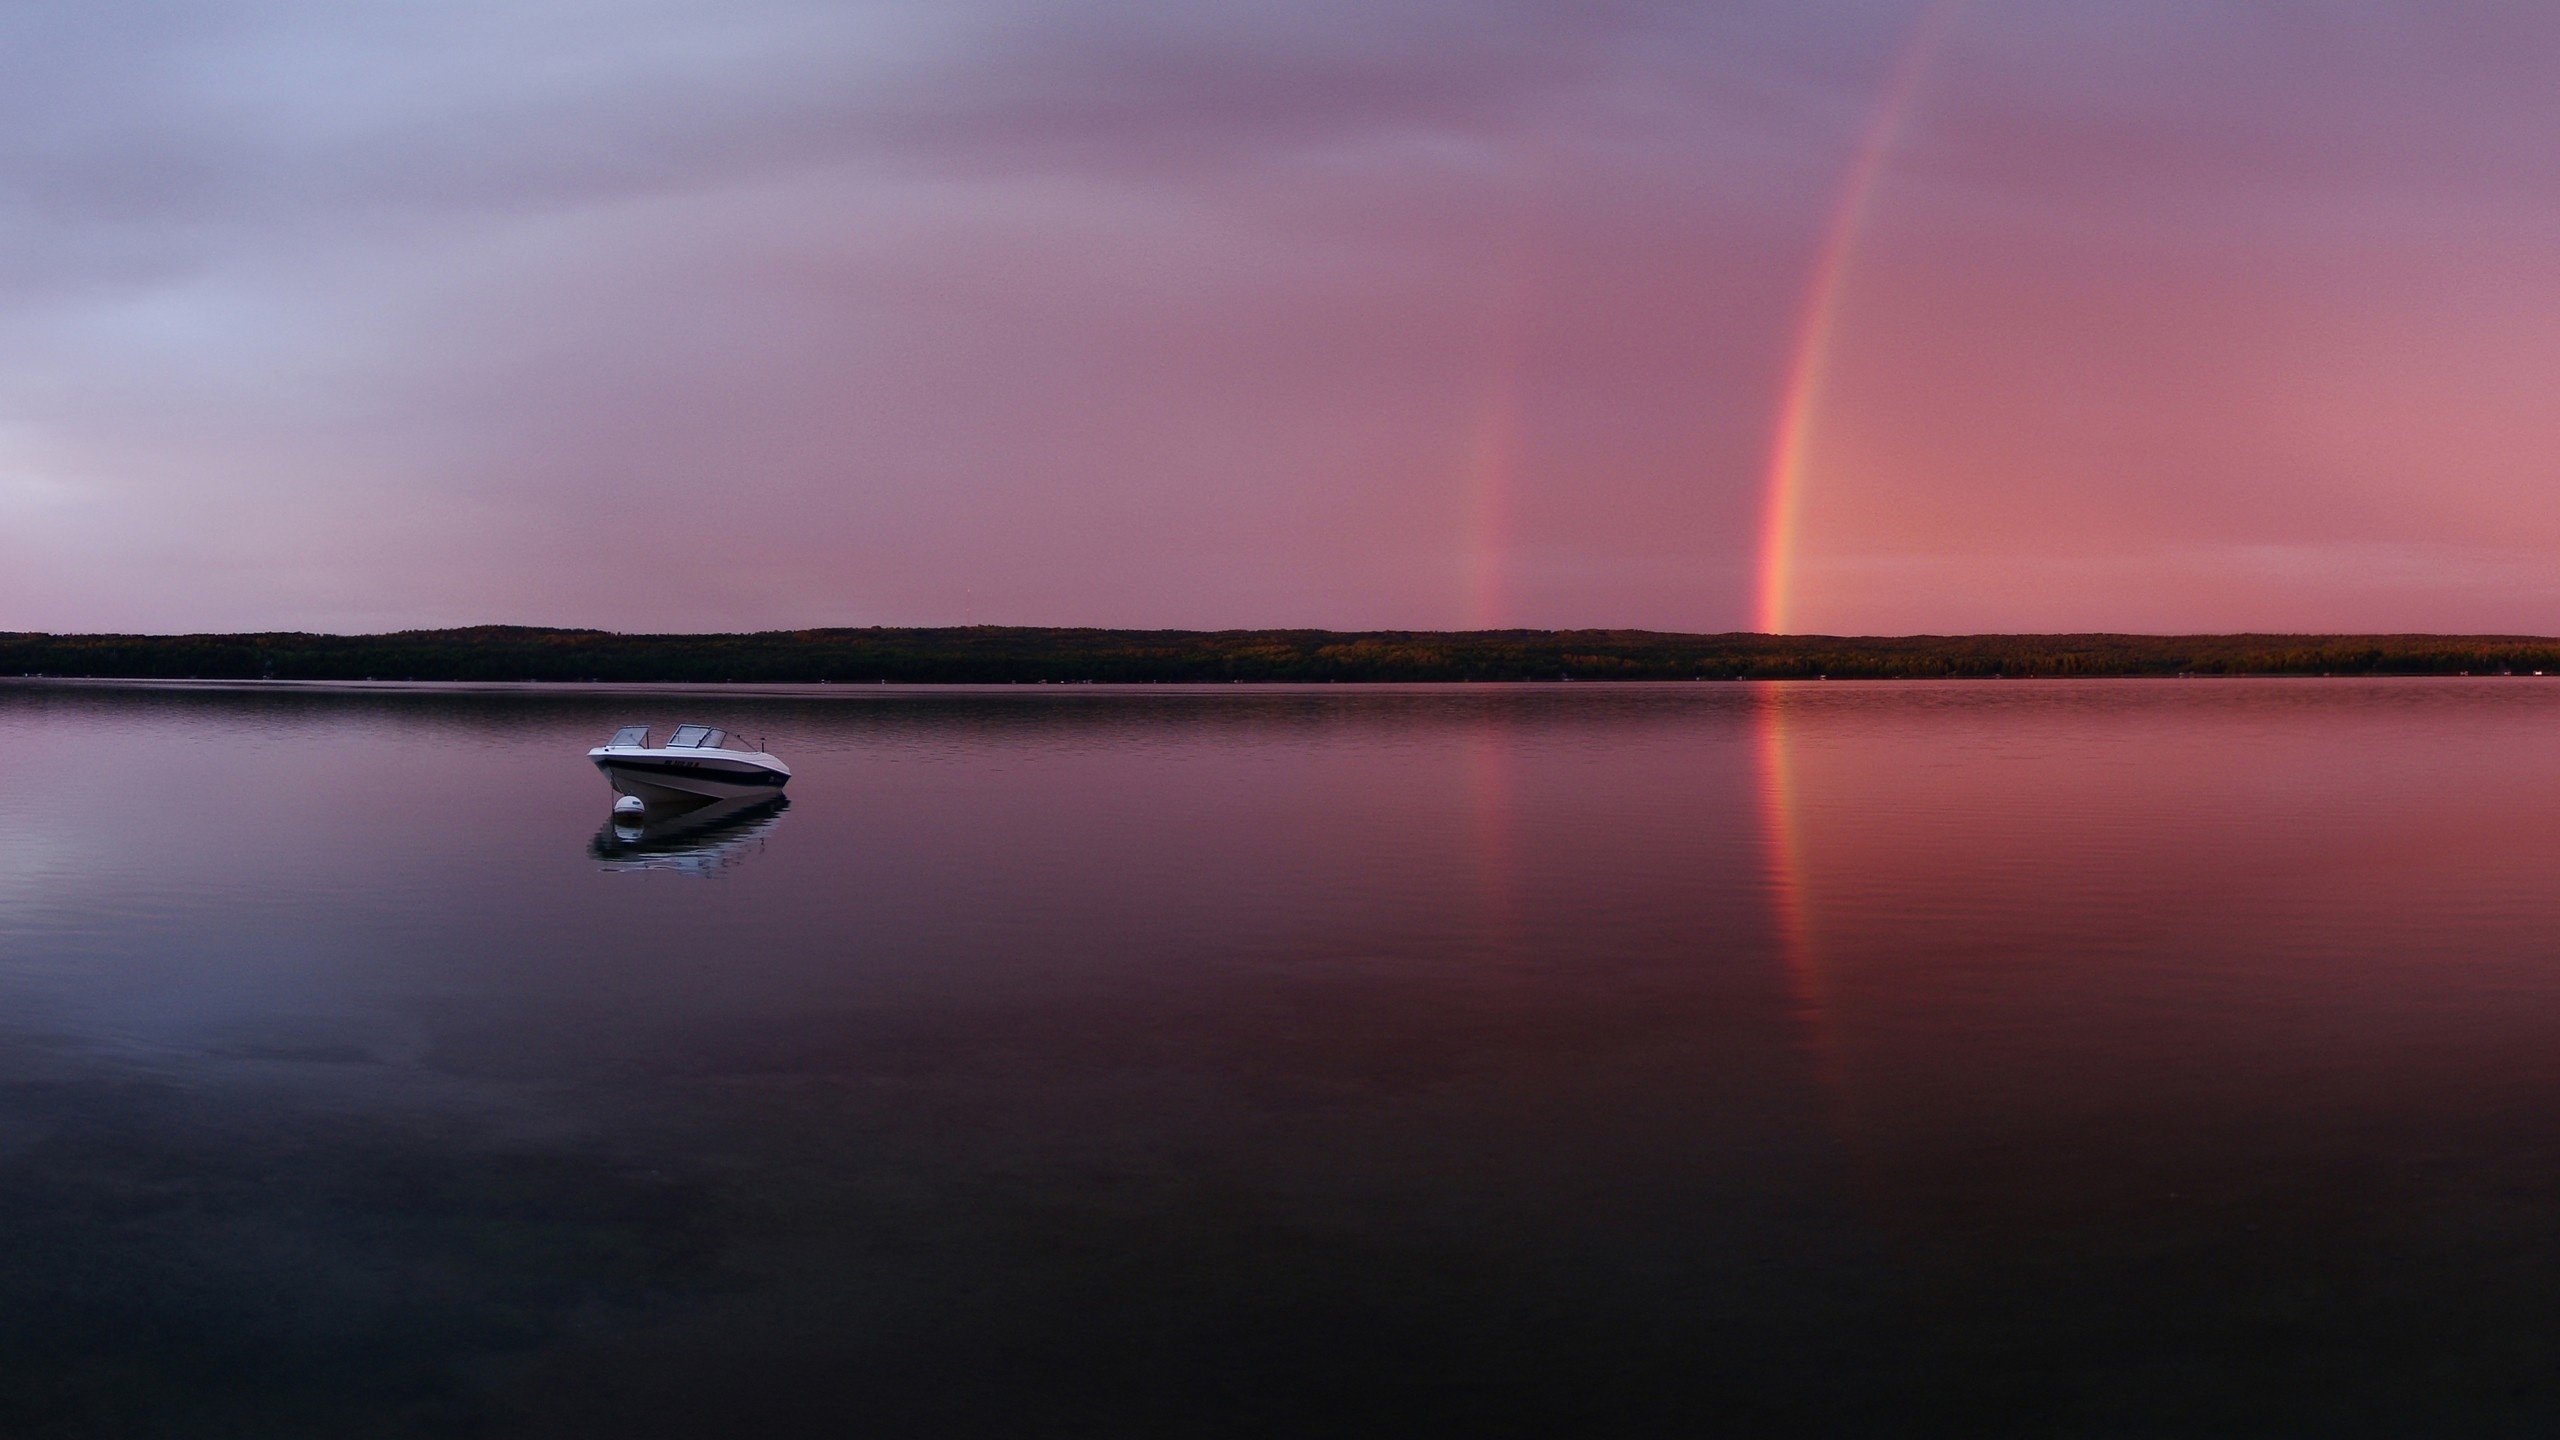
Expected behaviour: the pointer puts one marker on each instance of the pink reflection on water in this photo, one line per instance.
(2069, 954)
(1790, 910)
(1493, 832)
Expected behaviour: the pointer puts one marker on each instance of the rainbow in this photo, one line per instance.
(1493, 462)
(1493, 444)
(1800, 393)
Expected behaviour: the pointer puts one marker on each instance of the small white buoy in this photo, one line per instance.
(630, 805)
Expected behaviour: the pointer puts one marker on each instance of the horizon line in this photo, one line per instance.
(1779, 636)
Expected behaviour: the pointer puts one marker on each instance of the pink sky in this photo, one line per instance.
(712, 314)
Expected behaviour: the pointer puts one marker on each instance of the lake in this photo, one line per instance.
(2121, 1057)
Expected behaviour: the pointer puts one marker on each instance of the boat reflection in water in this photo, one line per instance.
(703, 840)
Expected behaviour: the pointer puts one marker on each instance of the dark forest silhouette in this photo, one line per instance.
(1000, 654)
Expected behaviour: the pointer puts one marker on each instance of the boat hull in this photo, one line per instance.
(673, 780)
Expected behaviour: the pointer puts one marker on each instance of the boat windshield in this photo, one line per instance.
(695, 737)
(636, 736)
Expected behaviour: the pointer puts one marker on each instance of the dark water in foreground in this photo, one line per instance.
(2118, 1058)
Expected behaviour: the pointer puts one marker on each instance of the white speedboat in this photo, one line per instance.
(697, 763)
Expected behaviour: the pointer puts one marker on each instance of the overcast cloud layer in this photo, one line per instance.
(710, 314)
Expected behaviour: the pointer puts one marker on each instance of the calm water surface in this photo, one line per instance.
(2109, 1058)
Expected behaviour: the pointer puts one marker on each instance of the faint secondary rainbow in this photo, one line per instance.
(1493, 463)
(1493, 443)
(1799, 397)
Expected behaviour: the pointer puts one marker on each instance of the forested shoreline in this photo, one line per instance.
(1002, 654)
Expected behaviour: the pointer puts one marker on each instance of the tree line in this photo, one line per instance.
(987, 654)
